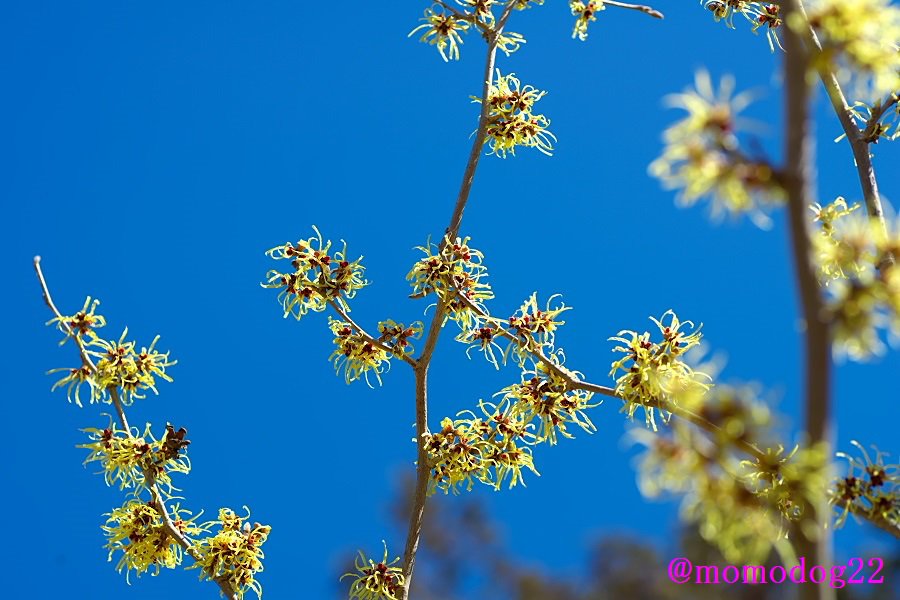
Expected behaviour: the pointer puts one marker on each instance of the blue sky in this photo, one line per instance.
(153, 151)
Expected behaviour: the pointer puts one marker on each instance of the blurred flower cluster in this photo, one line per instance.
(859, 40)
(856, 256)
(703, 156)
(743, 506)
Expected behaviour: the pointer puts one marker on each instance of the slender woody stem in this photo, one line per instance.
(859, 145)
(157, 500)
(647, 10)
(434, 330)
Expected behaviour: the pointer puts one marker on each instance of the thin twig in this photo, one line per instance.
(149, 478)
(859, 145)
(647, 10)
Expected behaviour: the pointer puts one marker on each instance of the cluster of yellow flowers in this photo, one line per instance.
(397, 336)
(234, 553)
(511, 120)
(703, 157)
(129, 459)
(356, 355)
(860, 40)
(492, 447)
(488, 449)
(545, 396)
(375, 581)
(856, 258)
(137, 529)
(319, 276)
(442, 29)
(535, 328)
(452, 270)
(654, 375)
(120, 366)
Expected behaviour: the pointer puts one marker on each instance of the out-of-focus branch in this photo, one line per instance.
(799, 183)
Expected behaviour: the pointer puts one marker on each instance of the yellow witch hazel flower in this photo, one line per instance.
(81, 324)
(137, 530)
(535, 328)
(870, 487)
(544, 395)
(586, 13)
(234, 554)
(319, 276)
(860, 39)
(654, 374)
(397, 336)
(488, 449)
(73, 381)
(442, 29)
(129, 459)
(853, 253)
(482, 9)
(121, 366)
(483, 338)
(511, 120)
(524, 4)
(375, 581)
(702, 155)
(355, 354)
(844, 245)
(452, 271)
(759, 14)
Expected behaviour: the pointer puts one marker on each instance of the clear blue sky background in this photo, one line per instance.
(152, 151)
